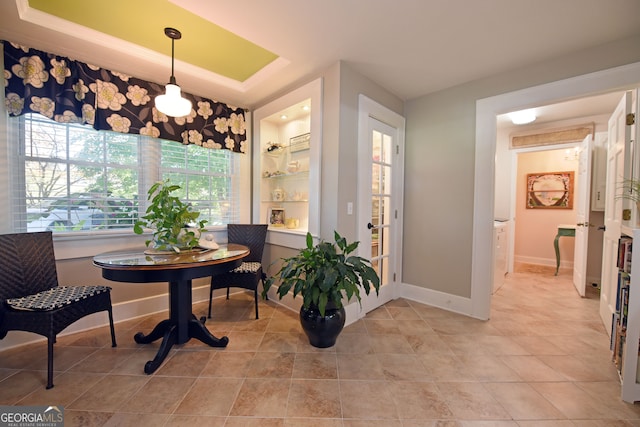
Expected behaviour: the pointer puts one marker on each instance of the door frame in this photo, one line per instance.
(368, 108)
(514, 189)
(613, 79)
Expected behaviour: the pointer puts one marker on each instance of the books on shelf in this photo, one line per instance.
(624, 253)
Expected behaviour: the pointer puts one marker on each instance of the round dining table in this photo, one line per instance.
(178, 269)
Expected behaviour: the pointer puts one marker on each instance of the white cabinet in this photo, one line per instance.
(599, 172)
(287, 165)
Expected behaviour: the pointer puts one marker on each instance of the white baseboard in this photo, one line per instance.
(145, 306)
(437, 299)
(425, 296)
(352, 310)
(551, 262)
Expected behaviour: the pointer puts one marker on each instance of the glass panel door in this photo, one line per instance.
(381, 210)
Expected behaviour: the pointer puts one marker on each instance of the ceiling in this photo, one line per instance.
(410, 47)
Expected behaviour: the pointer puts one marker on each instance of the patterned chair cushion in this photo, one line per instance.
(54, 298)
(247, 267)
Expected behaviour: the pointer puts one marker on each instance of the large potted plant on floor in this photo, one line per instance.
(325, 275)
(174, 223)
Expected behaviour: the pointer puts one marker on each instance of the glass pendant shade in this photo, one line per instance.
(172, 103)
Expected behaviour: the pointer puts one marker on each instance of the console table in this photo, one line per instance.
(563, 230)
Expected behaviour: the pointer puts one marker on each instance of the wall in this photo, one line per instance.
(535, 229)
(440, 154)
(341, 87)
(352, 85)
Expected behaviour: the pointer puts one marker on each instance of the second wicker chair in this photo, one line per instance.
(250, 273)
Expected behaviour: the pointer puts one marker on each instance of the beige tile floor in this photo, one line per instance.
(542, 360)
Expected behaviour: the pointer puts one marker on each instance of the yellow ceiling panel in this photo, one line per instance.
(142, 22)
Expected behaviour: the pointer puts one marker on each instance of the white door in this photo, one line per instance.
(582, 217)
(380, 183)
(618, 141)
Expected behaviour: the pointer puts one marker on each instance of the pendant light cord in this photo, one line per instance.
(172, 79)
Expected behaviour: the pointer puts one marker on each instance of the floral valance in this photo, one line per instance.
(66, 90)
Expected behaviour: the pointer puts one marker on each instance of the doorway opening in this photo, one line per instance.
(487, 109)
(537, 239)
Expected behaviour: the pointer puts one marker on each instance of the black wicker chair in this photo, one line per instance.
(30, 298)
(250, 273)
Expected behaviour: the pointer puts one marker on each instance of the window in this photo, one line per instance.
(72, 178)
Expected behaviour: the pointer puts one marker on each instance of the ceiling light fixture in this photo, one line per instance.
(172, 103)
(522, 117)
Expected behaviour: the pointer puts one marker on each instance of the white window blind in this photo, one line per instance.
(207, 180)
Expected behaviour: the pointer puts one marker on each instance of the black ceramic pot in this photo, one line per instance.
(322, 331)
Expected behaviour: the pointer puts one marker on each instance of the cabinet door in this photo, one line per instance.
(599, 175)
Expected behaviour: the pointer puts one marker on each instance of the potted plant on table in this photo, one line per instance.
(324, 275)
(174, 223)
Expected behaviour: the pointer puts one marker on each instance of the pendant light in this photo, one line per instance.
(172, 103)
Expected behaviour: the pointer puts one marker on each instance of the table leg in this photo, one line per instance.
(168, 341)
(157, 332)
(555, 246)
(198, 331)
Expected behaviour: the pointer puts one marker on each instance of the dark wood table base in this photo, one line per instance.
(168, 330)
(180, 327)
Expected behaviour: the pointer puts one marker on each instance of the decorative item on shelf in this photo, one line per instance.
(293, 166)
(300, 142)
(295, 196)
(172, 103)
(277, 195)
(292, 223)
(174, 223)
(324, 275)
(276, 217)
(274, 147)
(267, 174)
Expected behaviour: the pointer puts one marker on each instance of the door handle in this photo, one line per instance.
(370, 226)
(602, 228)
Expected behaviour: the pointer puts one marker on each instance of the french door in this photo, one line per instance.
(380, 184)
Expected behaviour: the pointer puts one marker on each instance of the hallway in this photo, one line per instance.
(542, 360)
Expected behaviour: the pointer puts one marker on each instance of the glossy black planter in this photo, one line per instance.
(322, 331)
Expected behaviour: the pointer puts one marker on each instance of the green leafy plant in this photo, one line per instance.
(325, 273)
(630, 190)
(174, 222)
